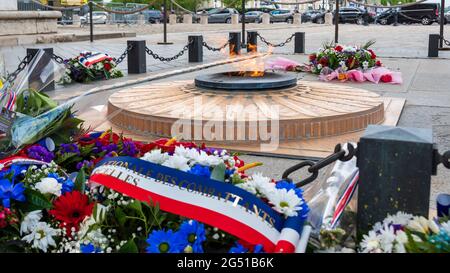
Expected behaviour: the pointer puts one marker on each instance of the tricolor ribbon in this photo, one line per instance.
(20, 160)
(215, 203)
(345, 199)
(94, 58)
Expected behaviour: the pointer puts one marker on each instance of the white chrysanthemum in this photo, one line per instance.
(400, 218)
(49, 185)
(419, 224)
(30, 221)
(156, 156)
(370, 243)
(285, 202)
(177, 162)
(41, 236)
(401, 239)
(387, 238)
(207, 160)
(259, 185)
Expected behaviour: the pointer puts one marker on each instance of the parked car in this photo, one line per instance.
(208, 11)
(98, 17)
(252, 16)
(309, 14)
(281, 16)
(348, 15)
(262, 9)
(153, 16)
(222, 16)
(424, 13)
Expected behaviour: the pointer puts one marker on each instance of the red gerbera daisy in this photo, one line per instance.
(71, 209)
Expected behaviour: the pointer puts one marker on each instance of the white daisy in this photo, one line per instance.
(419, 224)
(177, 162)
(446, 227)
(41, 236)
(370, 243)
(365, 65)
(30, 221)
(387, 238)
(400, 218)
(49, 185)
(259, 185)
(401, 239)
(204, 159)
(285, 202)
(156, 156)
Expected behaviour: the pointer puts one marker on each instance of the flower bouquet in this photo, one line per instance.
(52, 201)
(90, 66)
(355, 63)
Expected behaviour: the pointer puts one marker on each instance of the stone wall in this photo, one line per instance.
(28, 22)
(8, 4)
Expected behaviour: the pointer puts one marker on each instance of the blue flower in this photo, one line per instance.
(67, 184)
(258, 249)
(193, 233)
(13, 172)
(283, 184)
(9, 190)
(238, 248)
(89, 248)
(161, 241)
(200, 170)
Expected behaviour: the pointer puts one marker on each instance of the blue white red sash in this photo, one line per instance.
(345, 199)
(94, 58)
(22, 160)
(215, 203)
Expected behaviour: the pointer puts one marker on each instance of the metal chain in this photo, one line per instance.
(123, 55)
(123, 12)
(410, 18)
(288, 40)
(442, 158)
(216, 48)
(167, 59)
(314, 167)
(446, 42)
(23, 63)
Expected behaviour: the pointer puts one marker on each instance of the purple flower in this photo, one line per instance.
(129, 148)
(69, 148)
(84, 163)
(40, 153)
(109, 148)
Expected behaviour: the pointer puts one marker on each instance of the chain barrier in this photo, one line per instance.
(167, 59)
(442, 158)
(288, 40)
(181, 7)
(122, 12)
(23, 63)
(216, 48)
(290, 3)
(446, 42)
(123, 55)
(314, 167)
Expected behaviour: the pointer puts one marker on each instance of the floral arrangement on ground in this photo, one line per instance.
(90, 66)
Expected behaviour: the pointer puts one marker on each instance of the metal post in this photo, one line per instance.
(137, 58)
(195, 48)
(396, 17)
(433, 45)
(441, 24)
(336, 22)
(235, 43)
(91, 22)
(243, 23)
(395, 167)
(164, 42)
(299, 42)
(37, 78)
(252, 41)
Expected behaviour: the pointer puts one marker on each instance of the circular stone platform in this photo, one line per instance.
(307, 110)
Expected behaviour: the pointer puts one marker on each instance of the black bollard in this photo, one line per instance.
(252, 41)
(137, 58)
(433, 45)
(42, 70)
(235, 43)
(195, 48)
(395, 166)
(299, 42)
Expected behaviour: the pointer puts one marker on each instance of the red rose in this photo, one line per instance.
(312, 57)
(338, 48)
(372, 54)
(107, 66)
(323, 61)
(378, 63)
(386, 78)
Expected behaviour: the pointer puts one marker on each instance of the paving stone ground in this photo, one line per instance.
(426, 84)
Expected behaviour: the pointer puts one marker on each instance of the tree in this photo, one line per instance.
(232, 3)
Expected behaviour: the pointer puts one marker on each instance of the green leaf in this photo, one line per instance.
(80, 181)
(218, 173)
(120, 216)
(136, 205)
(35, 201)
(129, 247)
